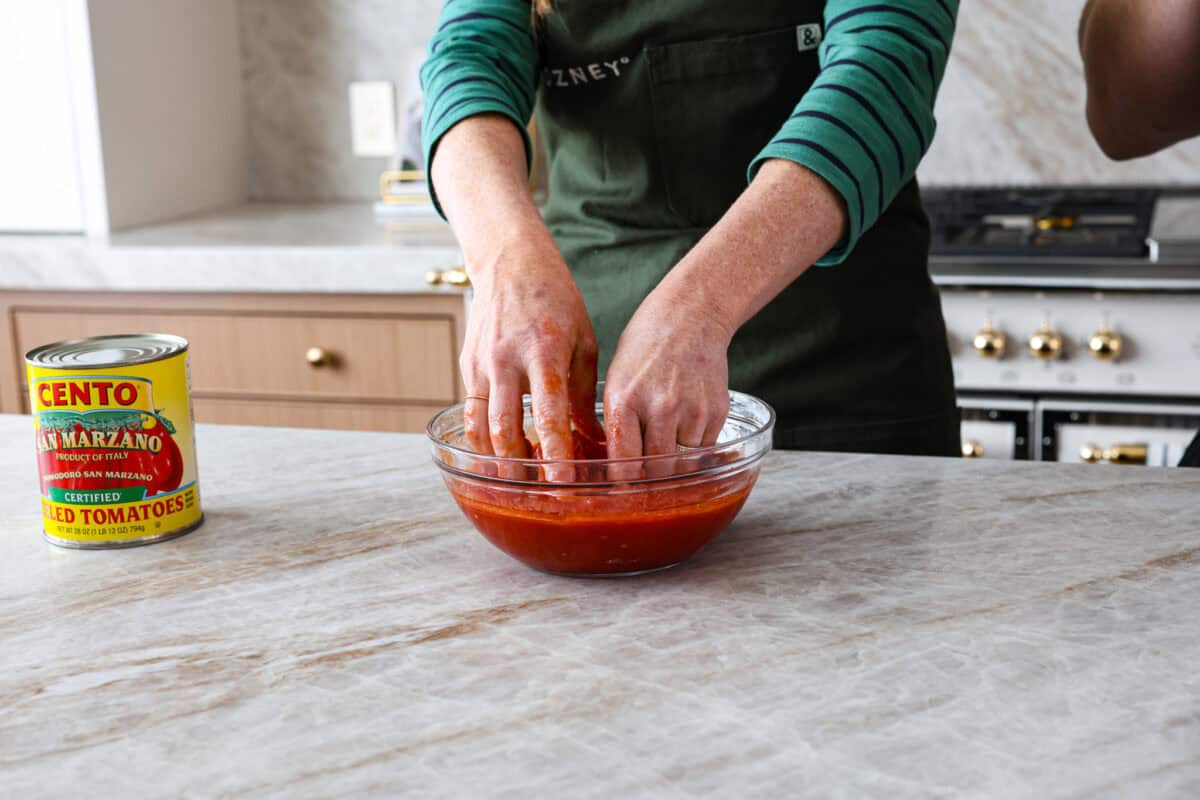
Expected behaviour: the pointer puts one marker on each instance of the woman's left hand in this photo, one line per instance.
(668, 383)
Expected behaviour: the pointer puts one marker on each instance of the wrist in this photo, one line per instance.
(698, 310)
(510, 247)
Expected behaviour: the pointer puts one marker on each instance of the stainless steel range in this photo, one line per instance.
(1074, 319)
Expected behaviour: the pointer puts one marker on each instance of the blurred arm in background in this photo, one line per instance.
(1142, 64)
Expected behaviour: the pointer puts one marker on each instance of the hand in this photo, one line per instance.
(528, 331)
(669, 380)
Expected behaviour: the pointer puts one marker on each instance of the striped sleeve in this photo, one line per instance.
(867, 120)
(482, 59)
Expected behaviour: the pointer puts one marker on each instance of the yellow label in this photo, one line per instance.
(116, 451)
(122, 522)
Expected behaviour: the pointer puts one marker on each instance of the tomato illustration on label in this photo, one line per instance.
(101, 450)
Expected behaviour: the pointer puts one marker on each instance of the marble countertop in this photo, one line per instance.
(333, 247)
(869, 626)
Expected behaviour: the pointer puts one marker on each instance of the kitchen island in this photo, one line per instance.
(869, 625)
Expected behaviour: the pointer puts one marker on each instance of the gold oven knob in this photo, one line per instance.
(972, 449)
(1045, 343)
(1091, 454)
(433, 277)
(989, 342)
(1105, 344)
(318, 356)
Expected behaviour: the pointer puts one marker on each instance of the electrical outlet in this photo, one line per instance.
(373, 118)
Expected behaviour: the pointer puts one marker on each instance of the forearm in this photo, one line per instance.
(1143, 73)
(480, 171)
(785, 220)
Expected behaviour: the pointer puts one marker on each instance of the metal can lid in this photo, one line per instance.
(107, 351)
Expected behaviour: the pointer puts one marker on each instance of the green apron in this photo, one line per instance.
(650, 113)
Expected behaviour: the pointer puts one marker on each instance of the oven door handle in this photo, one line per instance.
(1117, 454)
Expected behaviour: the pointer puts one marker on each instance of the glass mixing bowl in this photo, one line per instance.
(602, 522)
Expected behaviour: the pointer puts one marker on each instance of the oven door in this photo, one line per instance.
(1083, 432)
(994, 427)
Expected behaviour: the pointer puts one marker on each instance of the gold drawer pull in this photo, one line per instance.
(455, 276)
(318, 357)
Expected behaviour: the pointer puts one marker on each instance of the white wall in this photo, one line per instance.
(40, 187)
(169, 93)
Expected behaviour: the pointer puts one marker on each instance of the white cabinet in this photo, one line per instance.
(118, 113)
(41, 189)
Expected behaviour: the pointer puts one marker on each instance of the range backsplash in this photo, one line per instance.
(1010, 111)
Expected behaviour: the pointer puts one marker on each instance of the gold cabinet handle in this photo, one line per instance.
(455, 276)
(1117, 454)
(318, 357)
(972, 448)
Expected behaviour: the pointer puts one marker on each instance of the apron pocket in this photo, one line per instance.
(716, 104)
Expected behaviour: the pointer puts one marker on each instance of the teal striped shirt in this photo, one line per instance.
(863, 125)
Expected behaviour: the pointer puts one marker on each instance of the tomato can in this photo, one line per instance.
(116, 451)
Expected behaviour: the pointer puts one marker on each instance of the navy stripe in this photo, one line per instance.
(941, 3)
(440, 70)
(832, 120)
(889, 9)
(471, 79)
(900, 65)
(846, 90)
(442, 114)
(883, 81)
(482, 15)
(837, 162)
(505, 66)
(908, 37)
(500, 64)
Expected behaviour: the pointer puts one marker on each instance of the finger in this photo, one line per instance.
(581, 386)
(505, 416)
(475, 419)
(693, 424)
(717, 415)
(551, 419)
(623, 429)
(659, 440)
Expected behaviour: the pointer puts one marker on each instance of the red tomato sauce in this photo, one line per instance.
(605, 534)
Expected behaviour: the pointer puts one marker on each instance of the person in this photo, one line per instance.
(702, 155)
(1142, 68)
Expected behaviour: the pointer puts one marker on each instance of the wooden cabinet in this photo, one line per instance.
(390, 361)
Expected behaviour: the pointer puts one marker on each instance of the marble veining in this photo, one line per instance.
(869, 626)
(298, 57)
(1011, 107)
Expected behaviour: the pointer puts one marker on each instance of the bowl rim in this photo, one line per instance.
(766, 428)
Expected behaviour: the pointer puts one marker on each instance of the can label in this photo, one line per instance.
(116, 454)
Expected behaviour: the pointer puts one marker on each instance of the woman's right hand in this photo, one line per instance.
(528, 332)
